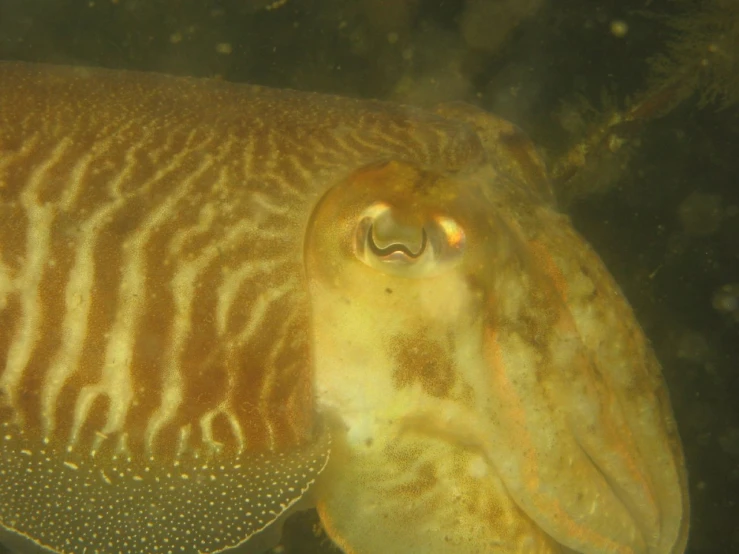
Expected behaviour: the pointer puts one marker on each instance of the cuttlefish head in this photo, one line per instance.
(403, 263)
(397, 262)
(459, 363)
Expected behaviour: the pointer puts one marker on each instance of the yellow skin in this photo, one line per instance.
(474, 406)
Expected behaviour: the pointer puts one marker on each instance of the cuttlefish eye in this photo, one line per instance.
(388, 242)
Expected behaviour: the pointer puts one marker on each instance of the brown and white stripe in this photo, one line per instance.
(153, 307)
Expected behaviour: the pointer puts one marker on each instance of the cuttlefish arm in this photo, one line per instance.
(621, 418)
(615, 363)
(471, 409)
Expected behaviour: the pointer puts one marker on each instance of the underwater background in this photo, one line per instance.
(658, 200)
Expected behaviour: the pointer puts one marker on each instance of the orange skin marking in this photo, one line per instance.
(331, 529)
(541, 253)
(516, 422)
(566, 323)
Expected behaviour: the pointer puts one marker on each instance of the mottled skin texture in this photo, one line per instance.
(193, 270)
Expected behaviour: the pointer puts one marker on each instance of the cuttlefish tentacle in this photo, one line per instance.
(635, 415)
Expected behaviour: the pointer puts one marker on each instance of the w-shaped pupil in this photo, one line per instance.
(396, 246)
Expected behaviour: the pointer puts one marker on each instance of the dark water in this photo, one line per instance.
(663, 211)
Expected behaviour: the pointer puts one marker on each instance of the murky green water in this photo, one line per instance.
(662, 210)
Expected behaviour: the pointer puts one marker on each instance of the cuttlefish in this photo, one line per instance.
(220, 303)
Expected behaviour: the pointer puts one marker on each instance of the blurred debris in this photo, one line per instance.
(256, 5)
(387, 16)
(487, 24)
(619, 28)
(693, 347)
(729, 441)
(726, 300)
(435, 69)
(701, 214)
